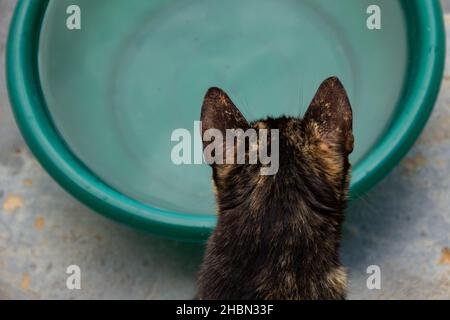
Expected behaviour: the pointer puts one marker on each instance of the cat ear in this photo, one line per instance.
(220, 113)
(331, 111)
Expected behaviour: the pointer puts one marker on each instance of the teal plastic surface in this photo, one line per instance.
(98, 105)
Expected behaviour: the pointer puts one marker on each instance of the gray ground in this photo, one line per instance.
(403, 226)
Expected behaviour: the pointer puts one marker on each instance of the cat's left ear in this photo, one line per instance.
(220, 113)
(331, 111)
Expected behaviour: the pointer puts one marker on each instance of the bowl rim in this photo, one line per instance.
(29, 108)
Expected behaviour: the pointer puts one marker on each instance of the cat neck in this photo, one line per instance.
(285, 223)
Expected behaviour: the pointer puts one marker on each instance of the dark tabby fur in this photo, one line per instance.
(278, 237)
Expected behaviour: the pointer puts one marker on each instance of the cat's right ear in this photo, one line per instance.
(219, 113)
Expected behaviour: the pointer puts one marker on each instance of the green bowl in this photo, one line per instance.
(97, 106)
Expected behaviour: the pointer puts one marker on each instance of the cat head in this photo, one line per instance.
(307, 156)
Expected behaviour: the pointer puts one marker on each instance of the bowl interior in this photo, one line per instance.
(138, 70)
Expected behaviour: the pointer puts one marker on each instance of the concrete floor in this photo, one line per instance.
(403, 226)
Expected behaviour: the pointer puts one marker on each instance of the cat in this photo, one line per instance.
(278, 237)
